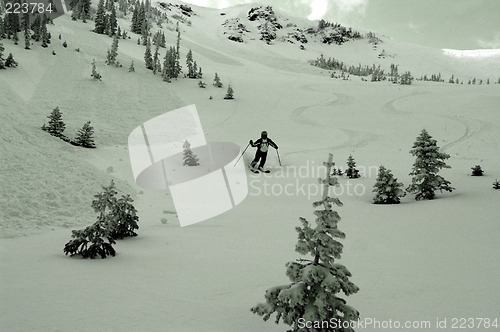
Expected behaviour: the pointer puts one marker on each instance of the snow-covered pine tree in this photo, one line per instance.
(112, 22)
(135, 27)
(477, 171)
(217, 82)
(387, 188)
(351, 171)
(148, 58)
(429, 161)
(56, 125)
(156, 60)
(10, 62)
(45, 35)
(200, 73)
(2, 29)
(316, 282)
(145, 32)
(27, 31)
(229, 93)
(201, 84)
(131, 69)
(85, 136)
(124, 218)
(100, 21)
(189, 64)
(91, 242)
(169, 65)
(496, 184)
(113, 53)
(189, 158)
(95, 75)
(2, 61)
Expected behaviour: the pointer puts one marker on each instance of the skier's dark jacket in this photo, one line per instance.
(263, 146)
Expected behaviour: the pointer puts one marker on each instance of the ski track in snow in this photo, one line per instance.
(355, 138)
(471, 126)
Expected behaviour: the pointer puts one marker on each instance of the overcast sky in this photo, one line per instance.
(460, 24)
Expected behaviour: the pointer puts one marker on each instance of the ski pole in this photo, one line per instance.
(241, 154)
(279, 160)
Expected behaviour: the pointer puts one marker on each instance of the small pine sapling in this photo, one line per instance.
(91, 242)
(202, 85)
(56, 125)
(229, 93)
(84, 136)
(337, 171)
(317, 282)
(190, 159)
(388, 189)
(131, 69)
(124, 218)
(477, 171)
(351, 171)
(10, 62)
(496, 184)
(95, 75)
(217, 82)
(429, 161)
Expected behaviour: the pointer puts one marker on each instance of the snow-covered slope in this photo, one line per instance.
(414, 261)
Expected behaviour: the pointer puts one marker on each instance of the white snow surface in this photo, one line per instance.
(417, 261)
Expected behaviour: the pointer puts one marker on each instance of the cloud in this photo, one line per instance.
(494, 43)
(318, 9)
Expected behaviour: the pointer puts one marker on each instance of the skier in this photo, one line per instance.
(262, 145)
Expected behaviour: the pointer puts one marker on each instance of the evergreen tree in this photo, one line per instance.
(387, 188)
(10, 62)
(351, 171)
(496, 184)
(2, 30)
(135, 27)
(45, 35)
(145, 32)
(178, 43)
(156, 60)
(189, 64)
(163, 40)
(477, 171)
(100, 22)
(189, 158)
(124, 218)
(317, 282)
(15, 38)
(36, 27)
(217, 82)
(429, 161)
(117, 218)
(84, 137)
(95, 75)
(201, 84)
(56, 125)
(131, 68)
(113, 24)
(200, 74)
(27, 32)
(2, 61)
(169, 62)
(148, 59)
(113, 53)
(91, 242)
(229, 93)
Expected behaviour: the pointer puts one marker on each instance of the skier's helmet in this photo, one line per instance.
(263, 134)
